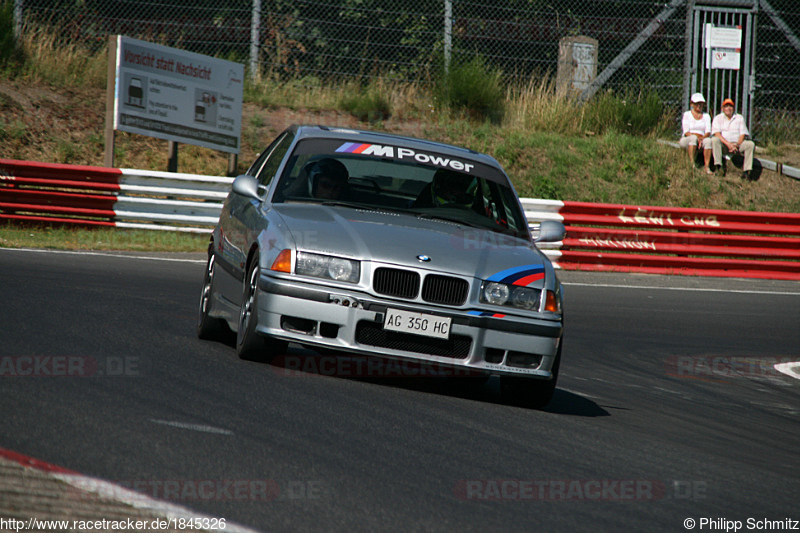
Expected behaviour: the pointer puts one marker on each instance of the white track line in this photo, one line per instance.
(105, 254)
(684, 289)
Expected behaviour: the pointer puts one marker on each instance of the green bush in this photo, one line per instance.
(777, 127)
(635, 113)
(474, 87)
(367, 104)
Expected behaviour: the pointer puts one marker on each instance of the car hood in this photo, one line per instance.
(400, 239)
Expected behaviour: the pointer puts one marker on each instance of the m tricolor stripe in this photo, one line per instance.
(522, 275)
(485, 313)
(352, 148)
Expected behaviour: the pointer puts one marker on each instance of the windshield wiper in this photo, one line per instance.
(367, 207)
(462, 222)
(338, 203)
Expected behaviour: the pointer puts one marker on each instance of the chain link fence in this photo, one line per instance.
(641, 43)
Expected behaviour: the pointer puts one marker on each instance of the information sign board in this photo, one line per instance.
(177, 95)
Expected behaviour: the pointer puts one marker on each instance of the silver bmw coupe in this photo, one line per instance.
(366, 243)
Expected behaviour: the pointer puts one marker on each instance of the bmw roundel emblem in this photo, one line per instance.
(424, 258)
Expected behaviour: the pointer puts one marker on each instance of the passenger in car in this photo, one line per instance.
(448, 188)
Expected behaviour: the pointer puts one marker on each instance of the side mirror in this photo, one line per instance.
(550, 231)
(246, 186)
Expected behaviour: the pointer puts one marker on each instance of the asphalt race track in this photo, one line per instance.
(668, 408)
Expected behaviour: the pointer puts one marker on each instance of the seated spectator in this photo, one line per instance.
(697, 131)
(729, 135)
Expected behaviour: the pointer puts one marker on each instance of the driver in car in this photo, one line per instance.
(327, 179)
(324, 178)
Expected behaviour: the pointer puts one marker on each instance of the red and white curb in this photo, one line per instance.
(113, 492)
(790, 369)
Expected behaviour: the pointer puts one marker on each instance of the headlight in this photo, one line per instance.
(502, 294)
(495, 293)
(327, 267)
(525, 298)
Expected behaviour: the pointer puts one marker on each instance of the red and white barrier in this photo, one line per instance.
(600, 237)
(672, 240)
(98, 196)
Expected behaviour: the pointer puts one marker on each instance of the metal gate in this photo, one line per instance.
(720, 53)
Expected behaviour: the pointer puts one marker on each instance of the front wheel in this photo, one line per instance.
(251, 346)
(529, 392)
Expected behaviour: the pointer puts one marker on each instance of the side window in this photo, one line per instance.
(266, 166)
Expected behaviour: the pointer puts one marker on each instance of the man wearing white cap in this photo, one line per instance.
(697, 131)
(729, 134)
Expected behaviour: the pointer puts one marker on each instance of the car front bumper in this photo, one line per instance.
(352, 321)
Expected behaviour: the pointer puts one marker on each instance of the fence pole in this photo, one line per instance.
(255, 37)
(448, 34)
(18, 18)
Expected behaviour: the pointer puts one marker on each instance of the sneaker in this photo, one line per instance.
(746, 175)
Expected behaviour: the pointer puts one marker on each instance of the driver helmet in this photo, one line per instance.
(327, 178)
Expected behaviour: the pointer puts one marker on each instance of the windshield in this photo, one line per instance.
(401, 179)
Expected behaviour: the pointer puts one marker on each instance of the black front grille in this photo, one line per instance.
(397, 283)
(444, 290)
(373, 334)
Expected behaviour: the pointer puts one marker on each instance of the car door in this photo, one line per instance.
(241, 218)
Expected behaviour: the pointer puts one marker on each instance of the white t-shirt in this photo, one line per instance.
(731, 129)
(701, 126)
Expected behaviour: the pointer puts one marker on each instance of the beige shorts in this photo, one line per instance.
(688, 140)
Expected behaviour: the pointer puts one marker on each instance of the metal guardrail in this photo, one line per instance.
(600, 237)
(671, 240)
(98, 196)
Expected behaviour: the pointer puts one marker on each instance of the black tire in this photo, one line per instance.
(208, 328)
(529, 392)
(251, 346)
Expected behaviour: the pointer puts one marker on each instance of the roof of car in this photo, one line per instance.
(364, 136)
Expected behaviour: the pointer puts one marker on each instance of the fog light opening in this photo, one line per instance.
(523, 360)
(494, 355)
(299, 325)
(328, 330)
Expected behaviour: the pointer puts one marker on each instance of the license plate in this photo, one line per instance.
(417, 323)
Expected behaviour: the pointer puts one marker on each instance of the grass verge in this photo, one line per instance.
(14, 235)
